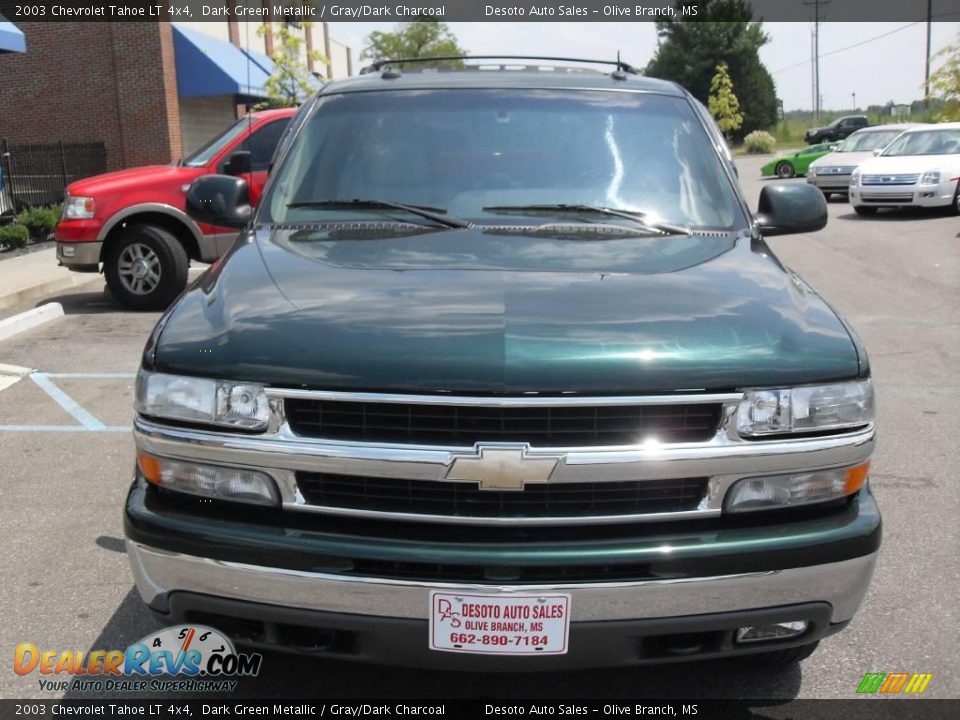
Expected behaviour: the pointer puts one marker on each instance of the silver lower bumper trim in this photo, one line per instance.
(158, 573)
(81, 254)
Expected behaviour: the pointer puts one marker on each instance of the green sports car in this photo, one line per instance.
(788, 166)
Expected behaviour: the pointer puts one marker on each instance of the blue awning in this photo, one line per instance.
(207, 66)
(11, 38)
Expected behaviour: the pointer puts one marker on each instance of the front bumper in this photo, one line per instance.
(80, 256)
(702, 577)
(838, 183)
(903, 195)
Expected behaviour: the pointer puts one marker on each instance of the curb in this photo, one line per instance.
(29, 319)
(44, 290)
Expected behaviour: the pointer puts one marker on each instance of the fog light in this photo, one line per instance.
(774, 631)
(223, 483)
(67, 250)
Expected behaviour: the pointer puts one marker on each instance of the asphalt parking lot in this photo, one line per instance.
(67, 457)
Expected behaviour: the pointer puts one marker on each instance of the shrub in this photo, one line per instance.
(759, 142)
(14, 235)
(39, 221)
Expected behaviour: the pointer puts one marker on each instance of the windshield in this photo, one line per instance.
(868, 142)
(201, 157)
(926, 142)
(466, 150)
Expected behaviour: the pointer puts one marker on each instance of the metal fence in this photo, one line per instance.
(38, 173)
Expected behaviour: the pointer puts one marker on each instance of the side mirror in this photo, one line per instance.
(238, 163)
(877, 151)
(787, 208)
(220, 200)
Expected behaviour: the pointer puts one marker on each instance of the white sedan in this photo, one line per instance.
(921, 168)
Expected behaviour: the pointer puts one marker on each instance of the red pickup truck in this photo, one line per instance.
(132, 222)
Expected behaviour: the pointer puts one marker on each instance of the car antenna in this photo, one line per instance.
(621, 71)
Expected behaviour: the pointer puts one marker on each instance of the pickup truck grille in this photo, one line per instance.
(465, 425)
(464, 499)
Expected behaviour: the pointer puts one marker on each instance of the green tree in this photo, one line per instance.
(420, 39)
(945, 83)
(722, 32)
(291, 82)
(722, 103)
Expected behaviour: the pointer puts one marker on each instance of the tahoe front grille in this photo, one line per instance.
(536, 500)
(465, 425)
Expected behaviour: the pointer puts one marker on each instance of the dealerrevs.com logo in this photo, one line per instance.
(199, 659)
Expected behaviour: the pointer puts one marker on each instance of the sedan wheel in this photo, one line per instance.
(785, 170)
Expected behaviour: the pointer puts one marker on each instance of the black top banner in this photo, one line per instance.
(474, 10)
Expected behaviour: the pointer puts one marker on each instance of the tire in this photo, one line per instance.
(955, 207)
(146, 267)
(827, 196)
(785, 170)
(775, 658)
(864, 210)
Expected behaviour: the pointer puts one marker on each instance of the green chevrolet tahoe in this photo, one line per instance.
(501, 374)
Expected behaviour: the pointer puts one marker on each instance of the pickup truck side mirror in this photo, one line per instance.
(877, 151)
(220, 200)
(238, 163)
(787, 208)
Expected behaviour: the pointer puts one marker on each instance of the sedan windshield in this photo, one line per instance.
(470, 153)
(926, 142)
(869, 141)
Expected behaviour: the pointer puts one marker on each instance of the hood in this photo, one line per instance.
(122, 180)
(903, 164)
(842, 159)
(502, 312)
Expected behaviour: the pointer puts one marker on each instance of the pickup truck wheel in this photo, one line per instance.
(785, 170)
(864, 210)
(780, 657)
(146, 268)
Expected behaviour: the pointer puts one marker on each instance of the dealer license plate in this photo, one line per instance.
(499, 624)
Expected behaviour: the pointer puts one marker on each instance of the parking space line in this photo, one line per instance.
(64, 428)
(70, 405)
(92, 375)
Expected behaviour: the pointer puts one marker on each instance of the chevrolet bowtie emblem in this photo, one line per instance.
(502, 468)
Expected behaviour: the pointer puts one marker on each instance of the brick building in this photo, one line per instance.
(151, 92)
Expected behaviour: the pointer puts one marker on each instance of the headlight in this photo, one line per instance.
(805, 409)
(222, 483)
(855, 177)
(200, 400)
(78, 208)
(930, 177)
(767, 493)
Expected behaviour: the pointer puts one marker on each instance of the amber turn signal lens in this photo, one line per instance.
(149, 467)
(855, 477)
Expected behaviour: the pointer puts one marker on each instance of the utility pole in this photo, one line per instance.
(926, 77)
(816, 53)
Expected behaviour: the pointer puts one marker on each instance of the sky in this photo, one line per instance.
(882, 69)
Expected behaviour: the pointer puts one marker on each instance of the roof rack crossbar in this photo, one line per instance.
(378, 65)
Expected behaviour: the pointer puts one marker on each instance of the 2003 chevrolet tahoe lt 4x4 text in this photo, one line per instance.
(501, 374)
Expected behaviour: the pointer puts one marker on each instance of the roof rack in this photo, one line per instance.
(378, 65)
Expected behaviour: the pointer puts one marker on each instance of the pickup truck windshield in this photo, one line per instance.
(199, 158)
(471, 152)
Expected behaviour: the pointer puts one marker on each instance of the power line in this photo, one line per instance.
(848, 47)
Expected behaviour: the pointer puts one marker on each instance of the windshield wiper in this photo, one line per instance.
(438, 215)
(636, 216)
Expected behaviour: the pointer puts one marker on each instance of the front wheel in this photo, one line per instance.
(146, 267)
(955, 207)
(864, 210)
(785, 170)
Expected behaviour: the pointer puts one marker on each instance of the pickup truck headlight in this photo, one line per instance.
(811, 408)
(201, 400)
(778, 491)
(930, 177)
(78, 207)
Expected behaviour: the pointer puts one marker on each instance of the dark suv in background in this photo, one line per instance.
(839, 129)
(501, 374)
